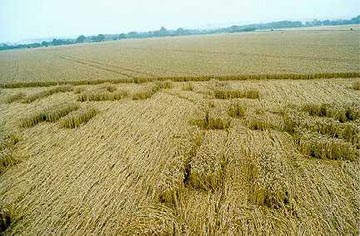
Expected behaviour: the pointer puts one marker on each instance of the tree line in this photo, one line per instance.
(162, 32)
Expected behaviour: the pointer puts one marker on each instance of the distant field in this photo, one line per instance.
(257, 53)
(326, 28)
(260, 156)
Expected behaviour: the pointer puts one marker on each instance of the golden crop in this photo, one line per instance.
(241, 134)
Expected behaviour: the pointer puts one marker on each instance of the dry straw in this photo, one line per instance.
(102, 96)
(347, 131)
(142, 95)
(46, 93)
(110, 88)
(50, 114)
(268, 186)
(259, 123)
(149, 92)
(16, 97)
(188, 86)
(77, 118)
(237, 110)
(142, 169)
(79, 90)
(210, 122)
(7, 146)
(323, 147)
(7, 218)
(356, 85)
(164, 84)
(230, 94)
(183, 79)
(340, 113)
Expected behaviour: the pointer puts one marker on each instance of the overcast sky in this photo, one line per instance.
(30, 19)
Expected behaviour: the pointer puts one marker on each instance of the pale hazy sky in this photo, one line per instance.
(29, 19)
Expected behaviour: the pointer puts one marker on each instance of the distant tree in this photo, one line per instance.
(80, 39)
(53, 42)
(98, 38)
(4, 46)
(326, 22)
(44, 44)
(355, 20)
(122, 36)
(33, 45)
(57, 42)
(162, 32)
(179, 31)
(249, 29)
(133, 34)
(314, 22)
(282, 24)
(234, 29)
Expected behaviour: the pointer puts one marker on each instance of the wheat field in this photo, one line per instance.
(238, 134)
